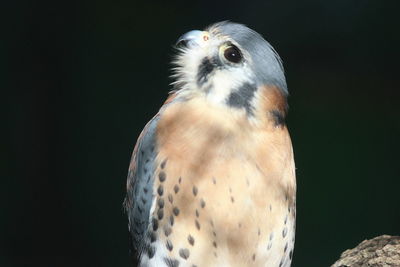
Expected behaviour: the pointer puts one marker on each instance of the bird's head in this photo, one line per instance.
(227, 63)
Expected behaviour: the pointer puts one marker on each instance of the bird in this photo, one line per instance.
(211, 181)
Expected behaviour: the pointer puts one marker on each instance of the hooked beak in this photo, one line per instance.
(191, 39)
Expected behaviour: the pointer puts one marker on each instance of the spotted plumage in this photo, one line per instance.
(212, 180)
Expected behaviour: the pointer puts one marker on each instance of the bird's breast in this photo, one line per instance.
(225, 190)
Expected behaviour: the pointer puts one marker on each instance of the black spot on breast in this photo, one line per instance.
(163, 164)
(195, 190)
(169, 245)
(162, 176)
(184, 253)
(175, 210)
(171, 220)
(284, 232)
(160, 190)
(160, 203)
(167, 230)
(160, 214)
(197, 213)
(171, 262)
(206, 67)
(176, 189)
(152, 236)
(170, 198)
(191, 240)
(202, 203)
(286, 245)
(241, 97)
(278, 117)
(291, 254)
(254, 257)
(269, 245)
(151, 251)
(197, 224)
(215, 244)
(155, 224)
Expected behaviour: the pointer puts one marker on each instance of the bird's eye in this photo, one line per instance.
(233, 54)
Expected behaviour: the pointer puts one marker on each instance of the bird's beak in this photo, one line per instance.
(192, 38)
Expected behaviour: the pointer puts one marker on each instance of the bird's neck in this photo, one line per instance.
(266, 106)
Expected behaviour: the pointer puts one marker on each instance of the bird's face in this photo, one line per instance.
(227, 63)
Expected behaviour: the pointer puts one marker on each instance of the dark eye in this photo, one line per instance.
(232, 54)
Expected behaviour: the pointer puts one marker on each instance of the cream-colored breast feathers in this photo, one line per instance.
(227, 188)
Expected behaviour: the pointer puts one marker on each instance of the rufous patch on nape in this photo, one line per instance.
(212, 176)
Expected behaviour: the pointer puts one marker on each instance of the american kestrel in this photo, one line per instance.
(212, 178)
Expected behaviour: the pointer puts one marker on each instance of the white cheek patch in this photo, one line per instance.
(225, 81)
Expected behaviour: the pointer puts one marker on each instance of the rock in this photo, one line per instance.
(377, 252)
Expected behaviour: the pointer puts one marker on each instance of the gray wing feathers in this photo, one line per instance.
(139, 196)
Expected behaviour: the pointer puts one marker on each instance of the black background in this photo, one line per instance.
(80, 80)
